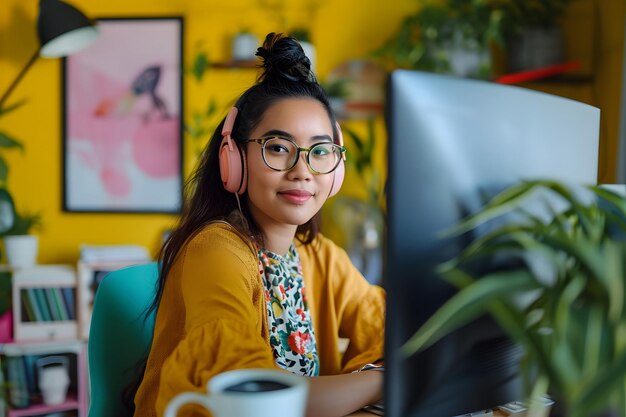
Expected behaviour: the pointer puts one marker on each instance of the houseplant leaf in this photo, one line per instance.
(467, 305)
(8, 142)
(7, 211)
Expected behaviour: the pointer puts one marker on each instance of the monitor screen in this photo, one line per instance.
(453, 141)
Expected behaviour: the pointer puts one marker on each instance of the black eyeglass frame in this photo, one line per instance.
(263, 141)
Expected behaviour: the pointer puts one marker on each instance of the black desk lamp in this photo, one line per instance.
(62, 30)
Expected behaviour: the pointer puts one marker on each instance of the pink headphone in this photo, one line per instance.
(233, 161)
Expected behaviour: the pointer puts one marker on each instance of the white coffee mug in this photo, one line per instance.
(249, 393)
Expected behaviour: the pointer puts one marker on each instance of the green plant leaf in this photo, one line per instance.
(603, 386)
(5, 291)
(4, 171)
(502, 203)
(25, 223)
(466, 305)
(8, 142)
(211, 108)
(200, 65)
(7, 211)
(12, 107)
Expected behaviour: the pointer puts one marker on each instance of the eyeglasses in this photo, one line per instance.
(282, 154)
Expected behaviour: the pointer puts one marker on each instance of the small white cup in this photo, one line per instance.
(244, 393)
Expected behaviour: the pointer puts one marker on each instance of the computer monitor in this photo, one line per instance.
(450, 141)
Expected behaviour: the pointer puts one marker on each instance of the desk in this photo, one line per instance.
(366, 414)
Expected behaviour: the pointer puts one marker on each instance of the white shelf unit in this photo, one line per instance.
(44, 278)
(89, 276)
(76, 401)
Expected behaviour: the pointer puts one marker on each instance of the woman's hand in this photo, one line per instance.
(339, 395)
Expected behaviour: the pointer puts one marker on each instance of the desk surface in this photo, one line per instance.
(366, 414)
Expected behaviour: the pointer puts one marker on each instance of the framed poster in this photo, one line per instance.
(122, 122)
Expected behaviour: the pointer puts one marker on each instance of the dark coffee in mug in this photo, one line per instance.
(259, 385)
(248, 392)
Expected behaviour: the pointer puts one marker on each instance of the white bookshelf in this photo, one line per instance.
(76, 400)
(43, 277)
(90, 273)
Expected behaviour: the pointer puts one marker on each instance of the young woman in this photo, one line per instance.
(246, 280)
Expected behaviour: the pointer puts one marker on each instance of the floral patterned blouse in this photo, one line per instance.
(291, 334)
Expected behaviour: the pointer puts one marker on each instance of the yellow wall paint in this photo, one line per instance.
(341, 29)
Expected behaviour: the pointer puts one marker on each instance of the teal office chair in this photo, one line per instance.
(118, 336)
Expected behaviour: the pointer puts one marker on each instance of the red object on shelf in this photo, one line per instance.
(6, 327)
(539, 73)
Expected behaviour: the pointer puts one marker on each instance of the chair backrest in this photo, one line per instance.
(119, 336)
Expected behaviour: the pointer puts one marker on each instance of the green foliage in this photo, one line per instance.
(22, 224)
(7, 142)
(25, 224)
(573, 324)
(360, 157)
(337, 88)
(201, 124)
(12, 107)
(200, 65)
(5, 291)
(301, 34)
(419, 42)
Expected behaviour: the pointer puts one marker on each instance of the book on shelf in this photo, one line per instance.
(28, 313)
(60, 304)
(47, 304)
(114, 253)
(16, 380)
(68, 300)
(32, 298)
(42, 303)
(54, 312)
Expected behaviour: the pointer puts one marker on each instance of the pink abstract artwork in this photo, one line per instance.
(123, 131)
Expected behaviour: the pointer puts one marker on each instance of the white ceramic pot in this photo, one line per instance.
(54, 379)
(21, 250)
(309, 51)
(536, 47)
(249, 392)
(244, 46)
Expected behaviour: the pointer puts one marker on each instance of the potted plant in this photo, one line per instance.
(361, 217)
(21, 248)
(20, 245)
(534, 39)
(244, 45)
(572, 324)
(455, 36)
(201, 123)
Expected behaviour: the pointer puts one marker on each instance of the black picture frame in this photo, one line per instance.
(122, 123)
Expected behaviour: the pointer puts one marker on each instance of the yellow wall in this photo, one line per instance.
(341, 29)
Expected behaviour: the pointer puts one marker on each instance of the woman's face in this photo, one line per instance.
(288, 198)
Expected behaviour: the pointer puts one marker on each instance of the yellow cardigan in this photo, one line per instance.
(212, 316)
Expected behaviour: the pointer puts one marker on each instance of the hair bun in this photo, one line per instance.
(283, 57)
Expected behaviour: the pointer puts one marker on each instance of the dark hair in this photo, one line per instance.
(286, 73)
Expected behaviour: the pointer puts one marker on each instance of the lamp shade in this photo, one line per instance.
(63, 29)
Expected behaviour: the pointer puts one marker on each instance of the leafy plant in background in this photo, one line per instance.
(361, 158)
(301, 34)
(5, 291)
(362, 219)
(24, 224)
(423, 39)
(200, 125)
(573, 325)
(11, 222)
